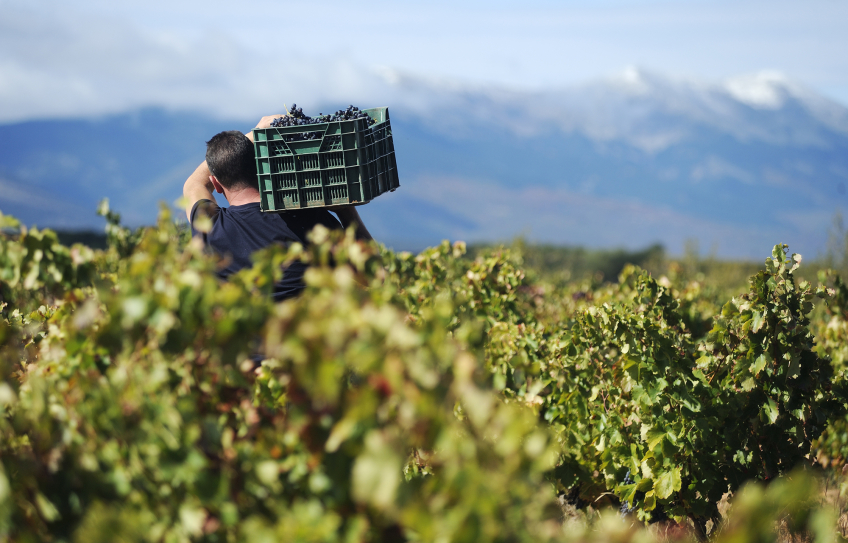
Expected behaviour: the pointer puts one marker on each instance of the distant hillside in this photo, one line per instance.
(53, 173)
(624, 162)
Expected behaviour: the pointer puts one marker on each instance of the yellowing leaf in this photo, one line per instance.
(643, 431)
(645, 484)
(650, 501)
(655, 437)
(667, 483)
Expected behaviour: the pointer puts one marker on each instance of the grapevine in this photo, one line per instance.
(435, 396)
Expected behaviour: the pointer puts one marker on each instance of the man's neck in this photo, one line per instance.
(237, 197)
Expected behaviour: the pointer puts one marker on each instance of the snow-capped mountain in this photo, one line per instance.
(646, 109)
(629, 160)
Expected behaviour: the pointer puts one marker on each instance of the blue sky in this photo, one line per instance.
(60, 58)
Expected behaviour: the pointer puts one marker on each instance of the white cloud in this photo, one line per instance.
(761, 90)
(96, 56)
(80, 67)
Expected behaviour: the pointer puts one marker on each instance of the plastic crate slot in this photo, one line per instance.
(338, 193)
(308, 162)
(284, 164)
(312, 179)
(289, 199)
(335, 177)
(314, 195)
(333, 160)
(285, 181)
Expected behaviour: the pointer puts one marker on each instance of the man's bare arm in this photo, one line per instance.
(349, 216)
(197, 187)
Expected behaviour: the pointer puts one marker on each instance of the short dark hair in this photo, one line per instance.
(231, 159)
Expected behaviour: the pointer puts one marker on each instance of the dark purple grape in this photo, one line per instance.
(626, 508)
(296, 117)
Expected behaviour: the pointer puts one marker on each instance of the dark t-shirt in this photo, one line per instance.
(239, 231)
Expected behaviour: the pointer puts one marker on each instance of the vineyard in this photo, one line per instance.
(438, 397)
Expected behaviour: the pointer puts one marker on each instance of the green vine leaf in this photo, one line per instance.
(667, 483)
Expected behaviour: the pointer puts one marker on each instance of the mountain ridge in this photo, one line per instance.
(629, 161)
(623, 107)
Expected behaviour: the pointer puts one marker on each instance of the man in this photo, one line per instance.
(241, 229)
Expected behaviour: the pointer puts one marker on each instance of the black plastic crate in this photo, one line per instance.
(326, 164)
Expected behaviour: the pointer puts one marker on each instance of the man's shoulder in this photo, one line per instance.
(204, 208)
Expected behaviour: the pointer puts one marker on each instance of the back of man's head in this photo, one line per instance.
(230, 158)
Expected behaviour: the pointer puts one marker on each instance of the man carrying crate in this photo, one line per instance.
(242, 229)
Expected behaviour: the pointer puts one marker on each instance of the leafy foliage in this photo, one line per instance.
(429, 397)
(627, 392)
(632, 380)
(143, 415)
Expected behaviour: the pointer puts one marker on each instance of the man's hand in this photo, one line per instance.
(264, 122)
(349, 216)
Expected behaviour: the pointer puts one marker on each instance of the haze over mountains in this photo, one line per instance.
(627, 161)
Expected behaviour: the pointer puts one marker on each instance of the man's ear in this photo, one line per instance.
(219, 188)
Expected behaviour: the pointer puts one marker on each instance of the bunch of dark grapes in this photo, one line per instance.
(626, 508)
(296, 117)
(349, 114)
